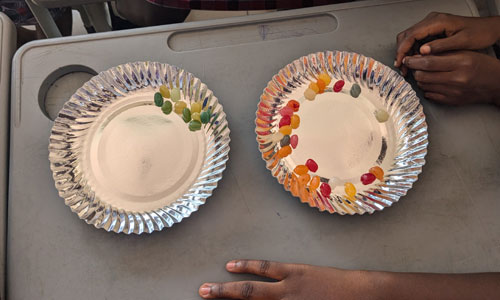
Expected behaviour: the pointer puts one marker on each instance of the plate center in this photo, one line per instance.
(140, 158)
(342, 135)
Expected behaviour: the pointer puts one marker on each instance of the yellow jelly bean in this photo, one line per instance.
(314, 86)
(164, 91)
(350, 190)
(286, 130)
(196, 107)
(295, 121)
(196, 116)
(179, 107)
(325, 77)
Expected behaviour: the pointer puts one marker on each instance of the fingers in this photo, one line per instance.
(430, 63)
(442, 93)
(432, 77)
(454, 42)
(407, 38)
(262, 268)
(242, 290)
(436, 97)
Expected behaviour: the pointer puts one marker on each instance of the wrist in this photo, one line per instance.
(373, 285)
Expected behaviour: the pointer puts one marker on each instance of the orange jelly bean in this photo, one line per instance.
(284, 152)
(378, 172)
(315, 182)
(313, 86)
(294, 104)
(304, 179)
(286, 130)
(321, 85)
(301, 169)
(295, 121)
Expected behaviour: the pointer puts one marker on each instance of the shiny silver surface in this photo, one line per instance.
(342, 134)
(121, 164)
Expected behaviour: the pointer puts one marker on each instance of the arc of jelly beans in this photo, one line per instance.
(194, 116)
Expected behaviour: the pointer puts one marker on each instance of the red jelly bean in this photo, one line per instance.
(294, 104)
(285, 120)
(286, 111)
(294, 141)
(338, 86)
(367, 178)
(325, 189)
(312, 165)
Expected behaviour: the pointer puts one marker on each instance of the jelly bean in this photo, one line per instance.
(314, 86)
(378, 172)
(355, 90)
(164, 91)
(196, 107)
(304, 179)
(315, 182)
(194, 125)
(284, 152)
(195, 116)
(286, 111)
(367, 178)
(175, 94)
(285, 141)
(166, 108)
(294, 141)
(325, 189)
(179, 107)
(322, 86)
(312, 165)
(338, 86)
(309, 94)
(381, 115)
(294, 104)
(285, 121)
(286, 130)
(301, 169)
(325, 77)
(186, 115)
(158, 99)
(295, 121)
(205, 117)
(350, 190)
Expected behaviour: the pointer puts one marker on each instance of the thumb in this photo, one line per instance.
(454, 42)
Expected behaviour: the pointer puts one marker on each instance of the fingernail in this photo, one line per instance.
(405, 60)
(395, 63)
(205, 290)
(230, 266)
(425, 49)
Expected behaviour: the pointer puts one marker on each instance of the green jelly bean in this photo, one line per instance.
(355, 90)
(158, 99)
(186, 115)
(205, 117)
(167, 107)
(175, 94)
(194, 125)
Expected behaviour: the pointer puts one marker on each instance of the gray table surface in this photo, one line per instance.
(7, 48)
(447, 223)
